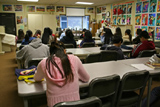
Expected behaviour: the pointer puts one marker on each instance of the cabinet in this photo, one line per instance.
(93, 28)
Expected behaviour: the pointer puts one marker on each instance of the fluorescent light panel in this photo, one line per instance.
(85, 3)
(29, 0)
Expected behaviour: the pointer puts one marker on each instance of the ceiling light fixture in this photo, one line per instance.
(29, 0)
(85, 3)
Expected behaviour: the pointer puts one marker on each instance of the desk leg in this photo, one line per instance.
(149, 91)
(25, 102)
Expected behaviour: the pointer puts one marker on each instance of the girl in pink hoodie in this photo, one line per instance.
(62, 73)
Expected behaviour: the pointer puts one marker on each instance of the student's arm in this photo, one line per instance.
(83, 75)
(39, 74)
(102, 38)
(81, 43)
(136, 50)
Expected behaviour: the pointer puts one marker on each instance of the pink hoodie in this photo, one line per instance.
(57, 91)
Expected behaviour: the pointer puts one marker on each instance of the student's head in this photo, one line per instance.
(83, 31)
(37, 34)
(138, 31)
(20, 34)
(46, 33)
(128, 32)
(117, 41)
(87, 35)
(108, 35)
(144, 36)
(118, 31)
(69, 33)
(57, 49)
(28, 35)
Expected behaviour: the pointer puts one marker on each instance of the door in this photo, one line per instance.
(8, 20)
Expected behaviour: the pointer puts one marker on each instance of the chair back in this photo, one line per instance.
(157, 44)
(147, 53)
(88, 102)
(132, 81)
(105, 88)
(69, 45)
(127, 43)
(34, 61)
(108, 56)
(88, 44)
(93, 58)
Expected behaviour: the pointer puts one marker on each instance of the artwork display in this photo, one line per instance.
(138, 19)
(30, 8)
(50, 8)
(59, 9)
(114, 20)
(119, 21)
(145, 19)
(139, 7)
(7, 7)
(103, 16)
(124, 8)
(40, 9)
(17, 7)
(153, 4)
(99, 10)
(19, 20)
(129, 8)
(103, 8)
(128, 19)
(144, 28)
(123, 20)
(158, 19)
(114, 10)
(90, 10)
(145, 6)
(151, 19)
(158, 6)
(157, 33)
(151, 31)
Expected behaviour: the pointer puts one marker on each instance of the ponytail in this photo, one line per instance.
(28, 35)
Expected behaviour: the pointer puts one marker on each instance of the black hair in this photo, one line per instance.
(45, 37)
(118, 31)
(20, 34)
(83, 30)
(144, 34)
(117, 39)
(87, 35)
(57, 49)
(38, 32)
(28, 35)
(108, 36)
(138, 31)
(69, 34)
(128, 31)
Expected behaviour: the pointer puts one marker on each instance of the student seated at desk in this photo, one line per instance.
(118, 32)
(35, 49)
(28, 38)
(87, 38)
(82, 35)
(137, 39)
(128, 36)
(37, 34)
(144, 45)
(108, 36)
(20, 36)
(69, 38)
(47, 36)
(62, 73)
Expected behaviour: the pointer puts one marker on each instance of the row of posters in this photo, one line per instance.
(33, 8)
(122, 9)
(122, 20)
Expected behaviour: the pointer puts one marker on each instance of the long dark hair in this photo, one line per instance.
(28, 35)
(128, 31)
(138, 31)
(69, 34)
(45, 37)
(57, 49)
(38, 32)
(20, 34)
(108, 36)
(118, 32)
(87, 35)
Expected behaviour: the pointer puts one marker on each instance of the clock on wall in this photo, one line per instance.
(108, 14)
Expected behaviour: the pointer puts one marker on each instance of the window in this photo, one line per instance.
(74, 22)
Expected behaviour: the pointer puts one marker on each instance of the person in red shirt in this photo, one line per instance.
(144, 45)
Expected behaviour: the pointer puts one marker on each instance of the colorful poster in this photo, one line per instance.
(59, 9)
(157, 33)
(114, 10)
(128, 19)
(124, 8)
(119, 20)
(124, 20)
(109, 20)
(58, 20)
(151, 19)
(103, 16)
(129, 8)
(103, 8)
(139, 7)
(7, 7)
(144, 28)
(158, 19)
(40, 8)
(119, 9)
(99, 9)
(144, 19)
(138, 19)
(50, 9)
(19, 20)
(145, 7)
(151, 31)
(90, 10)
(114, 20)
(158, 7)
(30, 8)
(136, 27)
(17, 7)
(153, 4)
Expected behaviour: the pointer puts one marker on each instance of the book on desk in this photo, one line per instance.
(153, 65)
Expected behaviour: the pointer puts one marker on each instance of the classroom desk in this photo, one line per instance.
(97, 42)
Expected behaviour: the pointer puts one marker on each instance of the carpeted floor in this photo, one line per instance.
(8, 85)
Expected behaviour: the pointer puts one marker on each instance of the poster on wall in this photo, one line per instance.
(19, 20)
(50, 8)
(136, 27)
(109, 20)
(99, 10)
(30, 8)
(129, 8)
(124, 8)
(138, 19)
(158, 19)
(139, 7)
(90, 10)
(123, 20)
(103, 9)
(114, 20)
(145, 7)
(40, 8)
(114, 10)
(7, 7)
(151, 19)
(157, 33)
(17, 8)
(120, 11)
(153, 4)
(59, 9)
(144, 19)
(151, 31)
(144, 28)
(128, 19)
(158, 6)
(58, 20)
(103, 16)
(119, 20)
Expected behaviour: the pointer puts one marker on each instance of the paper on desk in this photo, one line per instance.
(141, 67)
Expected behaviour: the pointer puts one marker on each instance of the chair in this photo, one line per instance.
(93, 58)
(34, 61)
(88, 102)
(106, 89)
(147, 53)
(127, 43)
(88, 44)
(69, 45)
(131, 82)
(108, 56)
(157, 44)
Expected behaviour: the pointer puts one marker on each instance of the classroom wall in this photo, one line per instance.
(24, 13)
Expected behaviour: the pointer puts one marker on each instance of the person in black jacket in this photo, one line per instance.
(69, 38)
(82, 35)
(137, 39)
